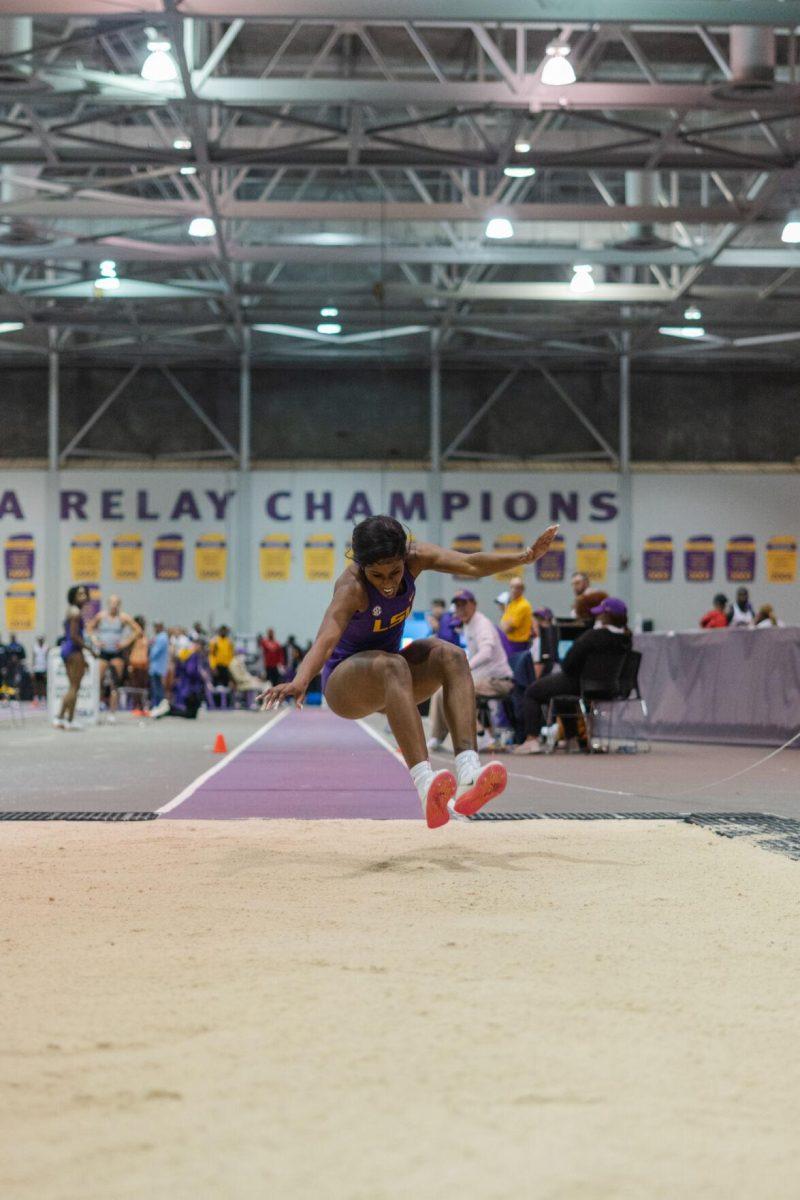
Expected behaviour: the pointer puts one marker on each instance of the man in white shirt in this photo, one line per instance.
(491, 672)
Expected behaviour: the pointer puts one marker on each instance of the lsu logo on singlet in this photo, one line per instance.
(397, 619)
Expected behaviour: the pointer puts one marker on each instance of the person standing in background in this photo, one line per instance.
(39, 662)
(718, 615)
(742, 615)
(220, 654)
(273, 655)
(517, 620)
(157, 666)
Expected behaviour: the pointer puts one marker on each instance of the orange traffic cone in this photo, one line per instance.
(219, 744)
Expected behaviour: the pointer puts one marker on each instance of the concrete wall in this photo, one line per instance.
(336, 413)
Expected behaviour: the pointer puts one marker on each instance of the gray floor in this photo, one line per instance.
(141, 764)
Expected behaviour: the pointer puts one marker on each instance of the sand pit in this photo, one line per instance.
(367, 1010)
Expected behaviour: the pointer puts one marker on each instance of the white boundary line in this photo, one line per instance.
(380, 739)
(195, 784)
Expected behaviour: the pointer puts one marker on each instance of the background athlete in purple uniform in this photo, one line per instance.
(365, 670)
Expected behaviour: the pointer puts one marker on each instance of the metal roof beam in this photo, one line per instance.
(781, 13)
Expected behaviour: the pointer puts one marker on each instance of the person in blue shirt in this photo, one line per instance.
(159, 656)
(444, 624)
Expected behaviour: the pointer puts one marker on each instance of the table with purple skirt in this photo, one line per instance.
(719, 685)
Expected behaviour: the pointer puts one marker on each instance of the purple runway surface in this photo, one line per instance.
(311, 766)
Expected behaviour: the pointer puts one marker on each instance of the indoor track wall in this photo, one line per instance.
(260, 548)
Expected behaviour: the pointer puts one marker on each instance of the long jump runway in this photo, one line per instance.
(307, 766)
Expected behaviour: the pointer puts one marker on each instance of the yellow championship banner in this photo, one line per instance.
(86, 557)
(127, 559)
(211, 557)
(466, 543)
(781, 559)
(591, 557)
(319, 558)
(275, 558)
(21, 608)
(509, 543)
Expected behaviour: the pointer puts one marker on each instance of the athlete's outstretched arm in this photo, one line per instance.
(348, 597)
(428, 557)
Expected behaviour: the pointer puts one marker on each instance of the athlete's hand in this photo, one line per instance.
(274, 696)
(540, 546)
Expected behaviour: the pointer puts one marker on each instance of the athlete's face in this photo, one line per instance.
(386, 576)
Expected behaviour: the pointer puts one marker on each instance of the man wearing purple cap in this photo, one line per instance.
(488, 663)
(597, 655)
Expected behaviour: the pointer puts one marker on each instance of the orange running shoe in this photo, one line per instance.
(441, 790)
(489, 783)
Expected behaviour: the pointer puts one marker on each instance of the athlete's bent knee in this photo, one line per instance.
(395, 669)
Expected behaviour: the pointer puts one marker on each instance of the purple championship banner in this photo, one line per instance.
(740, 559)
(658, 559)
(168, 557)
(551, 566)
(20, 556)
(698, 558)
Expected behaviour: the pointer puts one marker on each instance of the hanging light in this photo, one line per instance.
(499, 227)
(582, 281)
(791, 230)
(682, 331)
(202, 227)
(557, 70)
(11, 326)
(188, 170)
(182, 143)
(329, 310)
(692, 313)
(159, 66)
(329, 327)
(108, 268)
(519, 172)
(522, 147)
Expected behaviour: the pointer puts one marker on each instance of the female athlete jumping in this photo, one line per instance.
(364, 670)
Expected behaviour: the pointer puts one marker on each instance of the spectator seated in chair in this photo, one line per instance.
(189, 685)
(491, 672)
(594, 661)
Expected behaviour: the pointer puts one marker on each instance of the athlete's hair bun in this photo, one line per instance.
(376, 539)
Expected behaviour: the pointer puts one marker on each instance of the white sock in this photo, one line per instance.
(467, 766)
(422, 774)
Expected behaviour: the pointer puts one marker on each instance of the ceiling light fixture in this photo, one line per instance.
(522, 147)
(329, 311)
(682, 331)
(329, 327)
(188, 170)
(557, 70)
(202, 227)
(519, 172)
(791, 230)
(692, 313)
(11, 326)
(499, 227)
(108, 268)
(159, 66)
(182, 144)
(106, 283)
(582, 281)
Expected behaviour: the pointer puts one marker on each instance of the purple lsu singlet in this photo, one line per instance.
(68, 646)
(378, 627)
